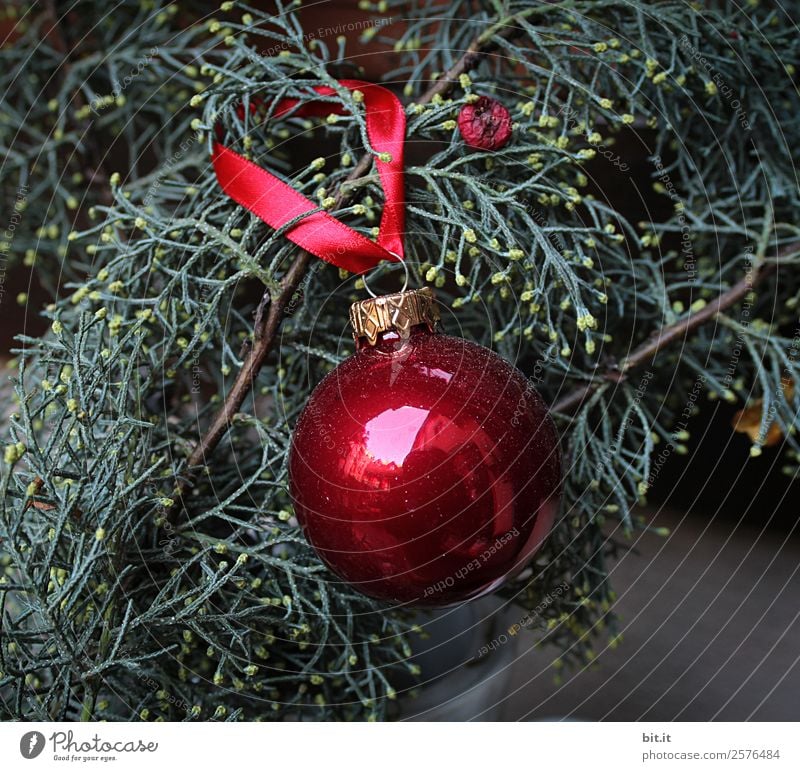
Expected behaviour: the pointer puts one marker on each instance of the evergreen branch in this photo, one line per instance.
(231, 615)
(267, 324)
(95, 175)
(669, 333)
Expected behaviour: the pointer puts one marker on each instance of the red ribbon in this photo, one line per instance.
(276, 203)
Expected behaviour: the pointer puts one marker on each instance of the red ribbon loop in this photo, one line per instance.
(320, 233)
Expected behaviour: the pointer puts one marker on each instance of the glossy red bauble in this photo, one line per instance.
(425, 470)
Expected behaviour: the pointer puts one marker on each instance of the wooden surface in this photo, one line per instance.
(711, 624)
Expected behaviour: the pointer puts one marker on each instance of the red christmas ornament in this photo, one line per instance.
(485, 124)
(424, 469)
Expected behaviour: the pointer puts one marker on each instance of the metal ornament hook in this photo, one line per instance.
(405, 279)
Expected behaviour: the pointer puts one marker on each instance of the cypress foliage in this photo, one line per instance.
(152, 567)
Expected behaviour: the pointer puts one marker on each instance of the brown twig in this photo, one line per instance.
(267, 324)
(668, 334)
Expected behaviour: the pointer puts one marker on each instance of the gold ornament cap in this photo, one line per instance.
(394, 312)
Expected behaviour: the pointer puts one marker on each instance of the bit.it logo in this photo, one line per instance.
(31, 744)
